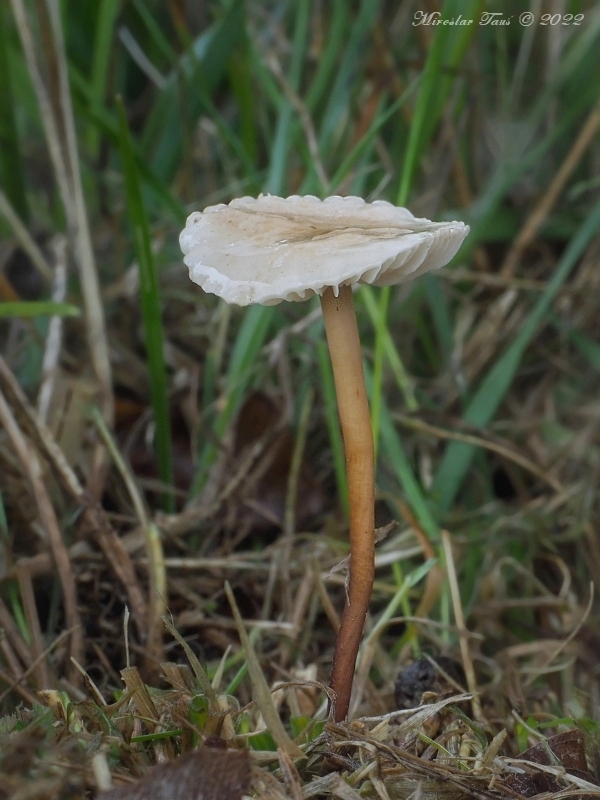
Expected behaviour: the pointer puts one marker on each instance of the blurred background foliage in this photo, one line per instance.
(483, 378)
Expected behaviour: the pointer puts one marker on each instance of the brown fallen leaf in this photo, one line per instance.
(209, 773)
(565, 749)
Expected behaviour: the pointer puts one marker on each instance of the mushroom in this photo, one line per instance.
(270, 249)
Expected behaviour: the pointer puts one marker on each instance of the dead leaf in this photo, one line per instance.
(565, 749)
(207, 774)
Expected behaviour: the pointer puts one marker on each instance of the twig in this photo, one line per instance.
(35, 631)
(94, 517)
(434, 579)
(294, 475)
(458, 275)
(39, 660)
(479, 441)
(90, 685)
(201, 676)
(84, 254)
(289, 517)
(141, 59)
(28, 696)
(47, 114)
(259, 684)
(54, 337)
(566, 641)
(19, 644)
(460, 624)
(304, 596)
(154, 551)
(482, 342)
(25, 239)
(328, 607)
(536, 218)
(65, 161)
(9, 657)
(33, 470)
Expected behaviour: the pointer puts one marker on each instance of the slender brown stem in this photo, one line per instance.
(353, 407)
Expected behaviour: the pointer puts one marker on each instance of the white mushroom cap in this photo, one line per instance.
(270, 249)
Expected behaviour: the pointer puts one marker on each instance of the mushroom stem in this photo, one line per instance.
(344, 349)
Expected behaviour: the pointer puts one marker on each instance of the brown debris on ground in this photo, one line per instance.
(478, 676)
(289, 592)
(434, 749)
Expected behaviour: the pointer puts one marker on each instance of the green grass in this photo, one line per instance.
(492, 390)
(239, 378)
(11, 165)
(447, 49)
(151, 309)
(469, 123)
(40, 308)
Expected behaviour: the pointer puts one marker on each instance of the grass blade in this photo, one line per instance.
(162, 140)
(491, 391)
(262, 693)
(151, 309)
(381, 328)
(588, 348)
(392, 446)
(367, 140)
(403, 380)
(240, 77)
(447, 48)
(11, 169)
(429, 105)
(56, 111)
(369, 646)
(38, 308)
(277, 170)
(25, 239)
(249, 341)
(342, 87)
(155, 32)
(106, 17)
(440, 313)
(109, 127)
(335, 38)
